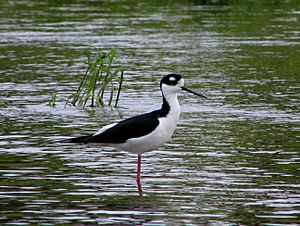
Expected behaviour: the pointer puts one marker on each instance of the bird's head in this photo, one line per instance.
(173, 84)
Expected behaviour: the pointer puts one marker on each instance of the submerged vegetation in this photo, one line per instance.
(52, 101)
(99, 80)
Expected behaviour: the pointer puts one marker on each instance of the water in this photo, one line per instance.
(234, 158)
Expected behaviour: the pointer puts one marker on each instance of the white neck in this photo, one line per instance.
(174, 112)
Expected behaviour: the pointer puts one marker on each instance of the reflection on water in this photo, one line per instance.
(234, 158)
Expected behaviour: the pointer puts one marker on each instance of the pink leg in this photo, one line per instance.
(138, 176)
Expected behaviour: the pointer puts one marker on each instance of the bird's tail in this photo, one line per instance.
(82, 139)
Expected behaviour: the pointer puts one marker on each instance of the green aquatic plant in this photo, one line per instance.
(99, 77)
(52, 101)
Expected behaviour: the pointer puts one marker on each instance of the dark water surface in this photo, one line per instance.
(234, 158)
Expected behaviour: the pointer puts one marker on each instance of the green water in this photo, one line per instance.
(234, 158)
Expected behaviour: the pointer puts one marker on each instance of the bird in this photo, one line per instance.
(145, 132)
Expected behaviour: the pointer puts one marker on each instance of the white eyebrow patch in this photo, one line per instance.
(172, 79)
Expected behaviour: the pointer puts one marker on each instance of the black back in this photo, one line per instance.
(134, 127)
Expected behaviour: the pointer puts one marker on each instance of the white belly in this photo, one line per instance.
(152, 141)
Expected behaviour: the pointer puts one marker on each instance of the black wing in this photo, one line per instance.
(137, 126)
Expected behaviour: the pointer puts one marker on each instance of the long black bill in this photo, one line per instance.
(190, 91)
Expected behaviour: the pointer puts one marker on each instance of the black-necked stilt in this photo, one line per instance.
(144, 132)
